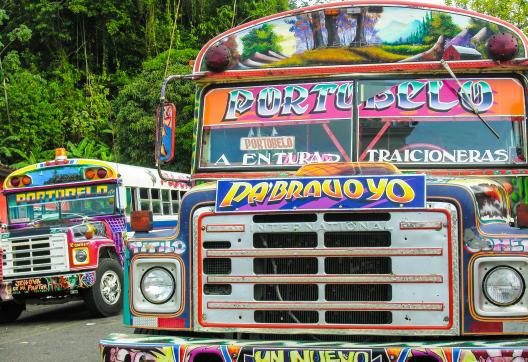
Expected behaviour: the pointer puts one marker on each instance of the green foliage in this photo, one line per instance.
(255, 9)
(7, 146)
(47, 113)
(513, 11)
(35, 155)
(136, 105)
(36, 119)
(89, 148)
(73, 70)
(295, 4)
(261, 40)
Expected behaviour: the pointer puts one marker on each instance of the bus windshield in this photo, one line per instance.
(402, 121)
(277, 125)
(430, 121)
(61, 203)
(281, 145)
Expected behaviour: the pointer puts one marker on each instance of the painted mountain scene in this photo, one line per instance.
(362, 35)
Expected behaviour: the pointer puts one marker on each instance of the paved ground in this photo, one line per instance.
(64, 332)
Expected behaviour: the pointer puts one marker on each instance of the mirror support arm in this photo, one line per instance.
(159, 120)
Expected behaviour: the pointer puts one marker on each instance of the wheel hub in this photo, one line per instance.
(110, 287)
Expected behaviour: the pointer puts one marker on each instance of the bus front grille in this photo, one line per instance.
(352, 272)
(34, 255)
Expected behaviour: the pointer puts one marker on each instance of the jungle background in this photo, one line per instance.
(86, 74)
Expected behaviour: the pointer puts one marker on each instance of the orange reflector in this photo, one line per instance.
(333, 12)
(26, 180)
(89, 173)
(61, 154)
(90, 231)
(141, 221)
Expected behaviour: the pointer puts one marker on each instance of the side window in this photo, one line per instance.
(175, 198)
(165, 199)
(135, 203)
(128, 207)
(155, 195)
(144, 199)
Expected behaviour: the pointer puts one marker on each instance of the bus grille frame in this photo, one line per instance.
(246, 301)
(34, 255)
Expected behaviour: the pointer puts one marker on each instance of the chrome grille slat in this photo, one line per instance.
(331, 272)
(279, 279)
(44, 257)
(327, 306)
(25, 266)
(222, 253)
(35, 250)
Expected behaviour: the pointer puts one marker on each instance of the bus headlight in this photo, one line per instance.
(503, 286)
(80, 256)
(157, 285)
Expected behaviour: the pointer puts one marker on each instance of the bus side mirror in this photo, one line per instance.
(165, 132)
(521, 215)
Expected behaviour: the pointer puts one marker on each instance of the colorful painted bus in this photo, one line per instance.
(359, 194)
(67, 229)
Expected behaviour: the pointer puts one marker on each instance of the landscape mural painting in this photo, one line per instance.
(362, 35)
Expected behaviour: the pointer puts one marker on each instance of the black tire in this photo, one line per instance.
(101, 302)
(10, 311)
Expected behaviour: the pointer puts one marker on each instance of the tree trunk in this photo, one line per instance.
(317, 32)
(360, 39)
(331, 29)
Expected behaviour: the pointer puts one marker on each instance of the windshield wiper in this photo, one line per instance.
(464, 93)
